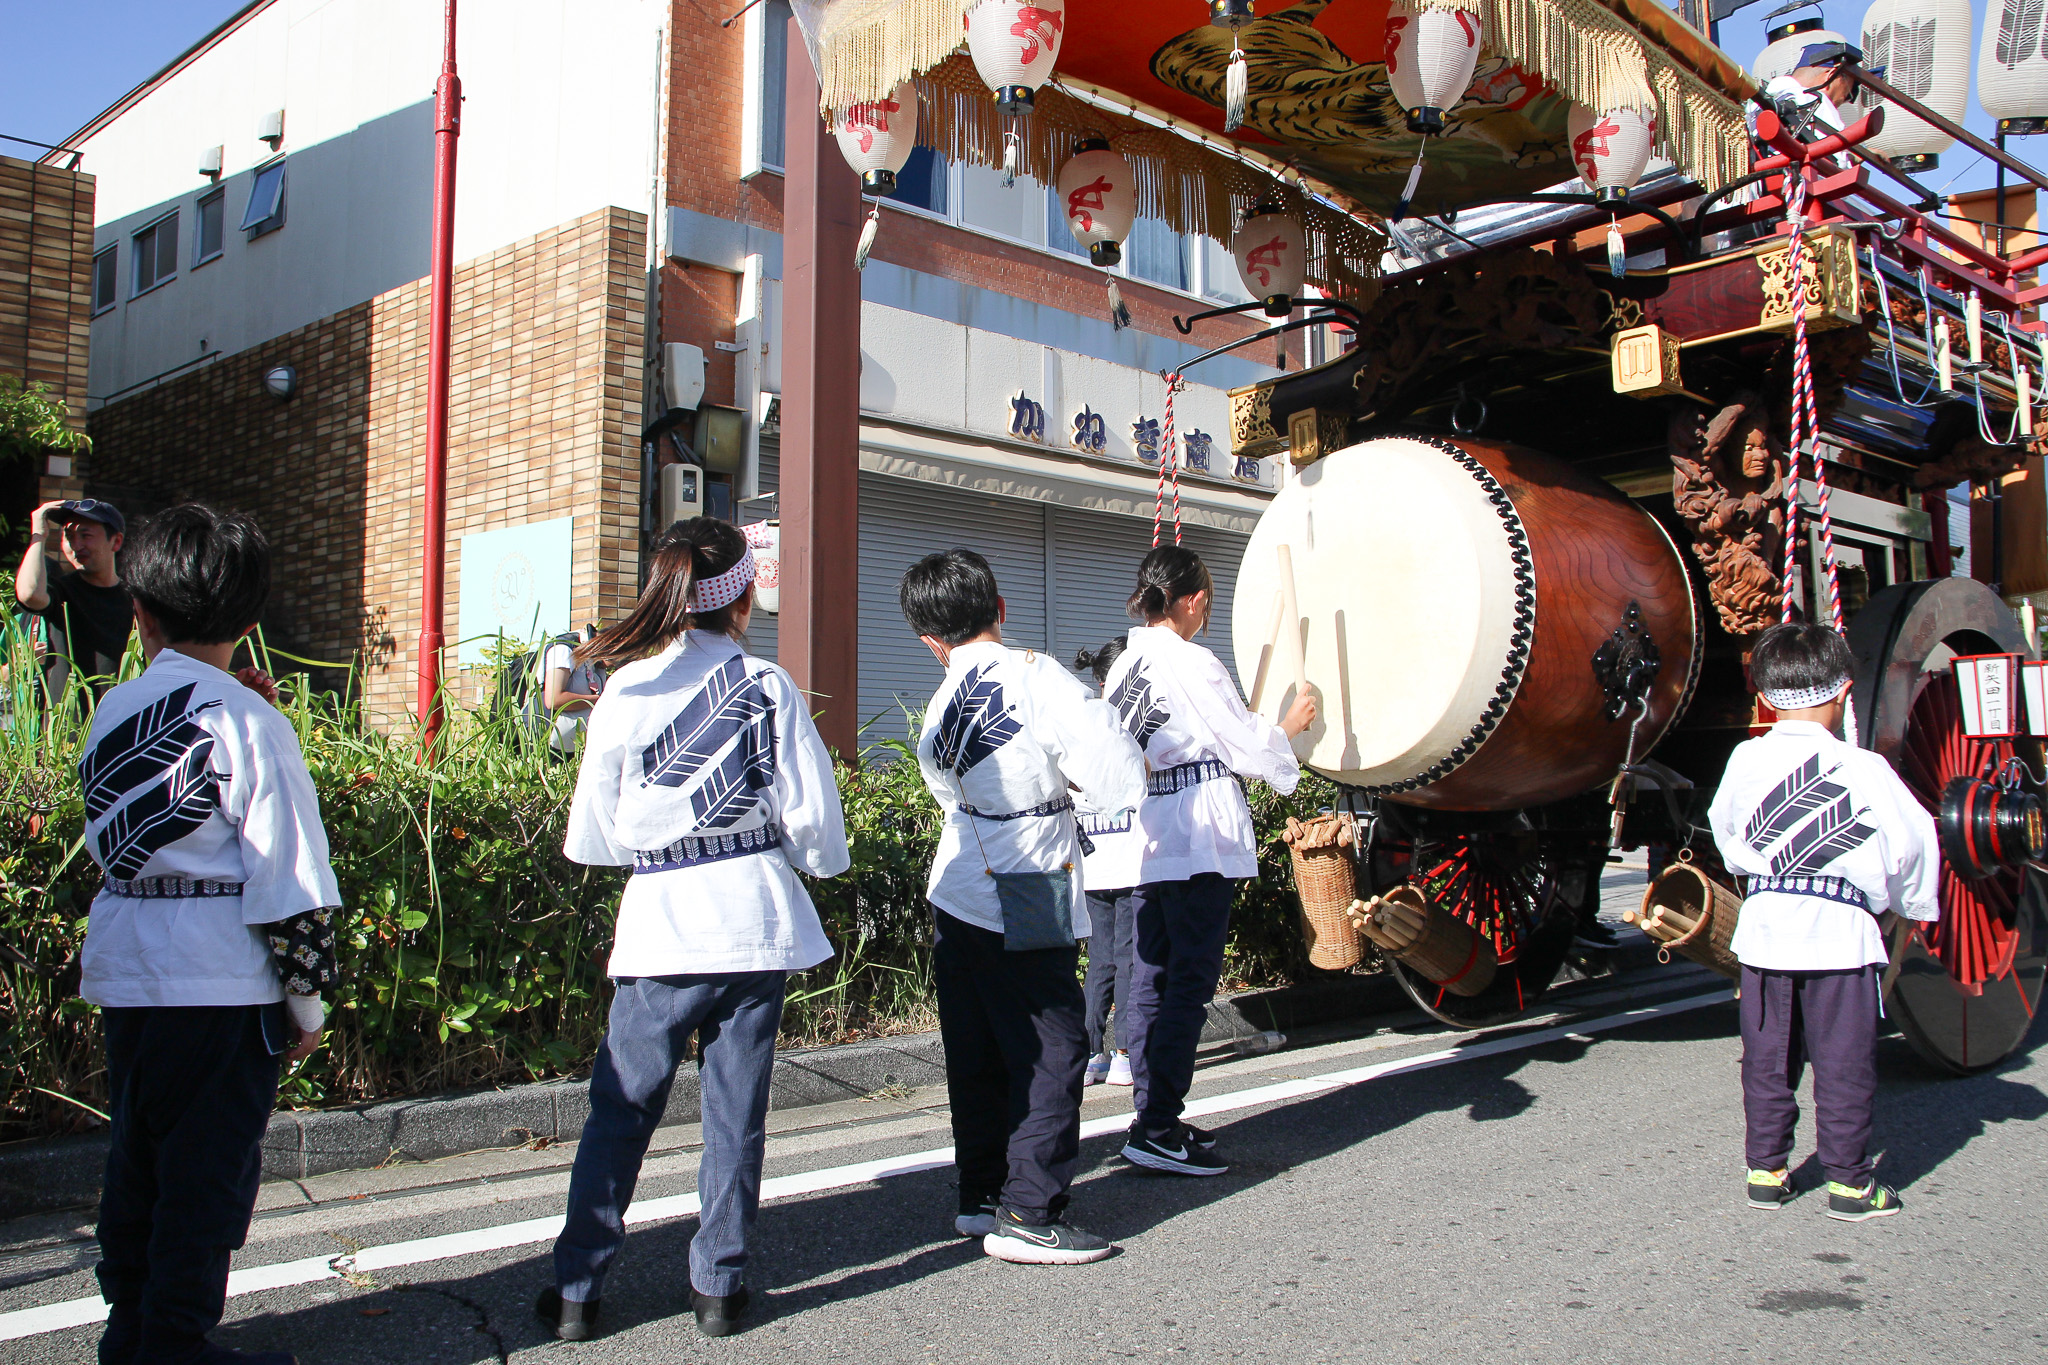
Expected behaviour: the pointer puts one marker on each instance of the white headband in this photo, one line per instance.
(709, 594)
(1800, 698)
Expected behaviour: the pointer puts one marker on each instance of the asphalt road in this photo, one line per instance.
(1566, 1191)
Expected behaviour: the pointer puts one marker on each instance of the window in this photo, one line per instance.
(922, 182)
(266, 202)
(104, 281)
(766, 89)
(156, 253)
(207, 233)
(1012, 212)
(1157, 253)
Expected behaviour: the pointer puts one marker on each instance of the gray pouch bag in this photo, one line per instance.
(1038, 909)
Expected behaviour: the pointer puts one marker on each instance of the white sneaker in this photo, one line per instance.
(1098, 1067)
(1120, 1069)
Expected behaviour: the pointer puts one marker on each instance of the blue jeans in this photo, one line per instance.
(1181, 929)
(735, 1016)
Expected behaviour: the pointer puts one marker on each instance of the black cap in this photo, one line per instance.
(92, 509)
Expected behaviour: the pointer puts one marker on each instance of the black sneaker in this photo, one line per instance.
(1055, 1243)
(718, 1315)
(570, 1320)
(1770, 1190)
(1182, 1157)
(976, 1219)
(1852, 1205)
(1199, 1137)
(1596, 935)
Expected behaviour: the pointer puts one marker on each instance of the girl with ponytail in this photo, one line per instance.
(703, 772)
(1195, 840)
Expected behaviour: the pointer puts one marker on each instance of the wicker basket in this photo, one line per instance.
(1326, 880)
(1449, 951)
(1713, 906)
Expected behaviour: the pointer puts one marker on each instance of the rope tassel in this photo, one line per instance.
(1236, 84)
(1119, 316)
(1010, 145)
(868, 232)
(1414, 183)
(1617, 252)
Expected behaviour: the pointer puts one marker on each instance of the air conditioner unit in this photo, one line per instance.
(682, 494)
(682, 374)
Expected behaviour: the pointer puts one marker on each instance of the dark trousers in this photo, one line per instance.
(735, 1016)
(1015, 1044)
(1178, 955)
(1112, 917)
(192, 1088)
(1829, 1018)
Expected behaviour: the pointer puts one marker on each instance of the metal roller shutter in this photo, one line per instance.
(1095, 565)
(901, 521)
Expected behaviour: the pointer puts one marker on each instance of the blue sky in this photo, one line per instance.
(68, 59)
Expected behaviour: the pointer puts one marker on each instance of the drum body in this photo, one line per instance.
(1483, 624)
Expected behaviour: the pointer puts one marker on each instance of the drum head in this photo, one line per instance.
(1411, 578)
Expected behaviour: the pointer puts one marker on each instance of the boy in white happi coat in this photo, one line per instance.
(1828, 838)
(1010, 742)
(211, 943)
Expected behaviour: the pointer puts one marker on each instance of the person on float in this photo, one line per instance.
(1178, 702)
(1810, 97)
(1109, 871)
(703, 772)
(1828, 838)
(1010, 743)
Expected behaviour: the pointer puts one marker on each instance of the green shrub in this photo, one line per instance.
(473, 952)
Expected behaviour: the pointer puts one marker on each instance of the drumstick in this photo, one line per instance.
(1290, 612)
(1266, 653)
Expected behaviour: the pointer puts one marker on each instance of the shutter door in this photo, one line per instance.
(901, 521)
(1095, 566)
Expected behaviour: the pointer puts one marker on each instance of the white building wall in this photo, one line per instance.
(559, 119)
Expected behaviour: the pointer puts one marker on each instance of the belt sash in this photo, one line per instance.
(709, 848)
(1839, 889)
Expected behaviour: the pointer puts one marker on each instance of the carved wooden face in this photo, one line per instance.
(1756, 452)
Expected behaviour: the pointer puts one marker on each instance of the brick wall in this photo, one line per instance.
(46, 286)
(544, 416)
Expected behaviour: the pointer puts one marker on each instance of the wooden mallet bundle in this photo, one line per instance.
(1429, 939)
(1688, 912)
(1320, 850)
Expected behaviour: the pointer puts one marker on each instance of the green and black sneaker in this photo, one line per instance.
(1855, 1206)
(1770, 1189)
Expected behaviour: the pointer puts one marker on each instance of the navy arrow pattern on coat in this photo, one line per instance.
(976, 723)
(161, 815)
(1139, 707)
(140, 748)
(1819, 814)
(1803, 791)
(723, 742)
(1821, 840)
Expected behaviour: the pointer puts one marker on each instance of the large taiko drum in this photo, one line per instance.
(1485, 626)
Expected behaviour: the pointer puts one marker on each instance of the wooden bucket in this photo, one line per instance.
(1682, 894)
(1327, 882)
(1434, 942)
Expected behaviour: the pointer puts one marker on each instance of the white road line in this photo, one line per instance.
(28, 1322)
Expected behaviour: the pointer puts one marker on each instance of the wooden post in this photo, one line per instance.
(820, 491)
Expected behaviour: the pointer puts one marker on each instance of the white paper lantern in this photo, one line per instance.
(1924, 46)
(876, 137)
(1100, 200)
(1431, 55)
(1014, 44)
(766, 540)
(1781, 56)
(1272, 257)
(2012, 61)
(1611, 150)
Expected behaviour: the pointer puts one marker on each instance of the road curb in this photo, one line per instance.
(65, 1173)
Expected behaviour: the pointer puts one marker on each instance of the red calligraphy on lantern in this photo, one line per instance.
(1035, 26)
(1086, 201)
(869, 117)
(1470, 25)
(1262, 261)
(1590, 147)
(1395, 25)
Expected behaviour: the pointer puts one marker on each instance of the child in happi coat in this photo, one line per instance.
(1010, 741)
(211, 944)
(1177, 701)
(703, 772)
(1828, 838)
(1109, 871)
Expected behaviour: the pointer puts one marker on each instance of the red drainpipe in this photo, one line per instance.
(434, 503)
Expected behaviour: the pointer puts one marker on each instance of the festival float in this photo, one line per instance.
(1635, 359)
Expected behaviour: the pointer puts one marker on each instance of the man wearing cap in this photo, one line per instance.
(88, 605)
(1810, 97)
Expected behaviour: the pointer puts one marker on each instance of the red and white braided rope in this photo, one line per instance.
(1169, 467)
(1805, 425)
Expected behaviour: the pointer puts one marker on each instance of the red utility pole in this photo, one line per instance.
(434, 500)
(820, 503)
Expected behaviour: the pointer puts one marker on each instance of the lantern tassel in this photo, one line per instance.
(1119, 316)
(868, 232)
(1414, 182)
(1010, 154)
(1236, 85)
(1617, 253)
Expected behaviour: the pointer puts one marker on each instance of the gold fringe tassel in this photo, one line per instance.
(865, 48)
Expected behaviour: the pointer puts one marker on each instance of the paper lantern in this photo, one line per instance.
(1431, 55)
(1924, 47)
(765, 538)
(1780, 56)
(1611, 150)
(1272, 257)
(1014, 44)
(1988, 686)
(2012, 64)
(2034, 686)
(1098, 196)
(876, 137)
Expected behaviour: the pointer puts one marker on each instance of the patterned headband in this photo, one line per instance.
(709, 594)
(1799, 698)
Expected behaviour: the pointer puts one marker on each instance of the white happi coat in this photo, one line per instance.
(703, 771)
(1841, 839)
(1010, 731)
(1179, 703)
(192, 782)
